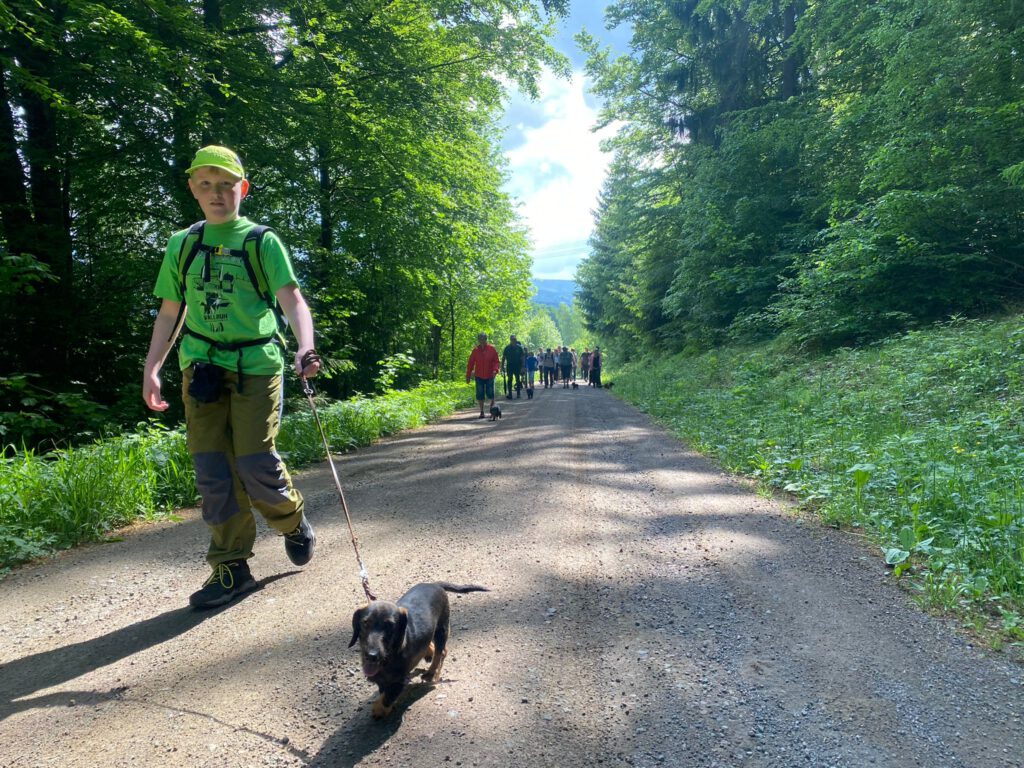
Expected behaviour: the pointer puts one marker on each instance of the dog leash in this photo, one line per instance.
(307, 389)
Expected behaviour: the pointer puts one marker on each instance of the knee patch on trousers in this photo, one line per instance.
(217, 487)
(265, 478)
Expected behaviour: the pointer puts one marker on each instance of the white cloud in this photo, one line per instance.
(557, 169)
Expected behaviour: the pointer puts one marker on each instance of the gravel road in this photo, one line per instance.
(647, 610)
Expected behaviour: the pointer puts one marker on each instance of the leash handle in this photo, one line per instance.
(307, 390)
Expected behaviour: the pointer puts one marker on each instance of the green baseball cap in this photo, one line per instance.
(218, 157)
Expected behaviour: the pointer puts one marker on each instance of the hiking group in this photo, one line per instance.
(520, 365)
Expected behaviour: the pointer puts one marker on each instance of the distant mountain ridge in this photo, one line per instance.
(554, 292)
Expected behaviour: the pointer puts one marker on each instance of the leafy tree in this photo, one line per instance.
(370, 131)
(831, 171)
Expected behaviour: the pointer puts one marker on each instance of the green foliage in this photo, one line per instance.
(834, 172)
(80, 494)
(916, 439)
(362, 420)
(55, 501)
(31, 416)
(554, 327)
(541, 331)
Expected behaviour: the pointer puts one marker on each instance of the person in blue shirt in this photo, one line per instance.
(532, 364)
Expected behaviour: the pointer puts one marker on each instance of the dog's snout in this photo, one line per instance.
(372, 655)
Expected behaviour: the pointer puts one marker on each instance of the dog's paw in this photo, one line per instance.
(379, 709)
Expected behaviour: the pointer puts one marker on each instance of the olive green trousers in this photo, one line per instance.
(237, 465)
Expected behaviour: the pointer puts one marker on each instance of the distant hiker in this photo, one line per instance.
(223, 283)
(565, 363)
(595, 368)
(547, 362)
(532, 364)
(585, 364)
(484, 366)
(512, 364)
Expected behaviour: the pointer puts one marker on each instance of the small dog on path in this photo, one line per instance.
(495, 413)
(394, 637)
(529, 393)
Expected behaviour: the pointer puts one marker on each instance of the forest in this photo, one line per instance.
(369, 129)
(825, 173)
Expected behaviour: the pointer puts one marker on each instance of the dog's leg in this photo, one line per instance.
(429, 655)
(384, 703)
(433, 674)
(379, 708)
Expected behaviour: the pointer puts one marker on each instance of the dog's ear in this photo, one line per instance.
(357, 620)
(403, 622)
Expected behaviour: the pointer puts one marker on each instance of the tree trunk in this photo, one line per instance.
(15, 215)
(326, 216)
(435, 349)
(48, 312)
(790, 64)
(451, 312)
(215, 128)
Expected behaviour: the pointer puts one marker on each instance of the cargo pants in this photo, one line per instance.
(237, 465)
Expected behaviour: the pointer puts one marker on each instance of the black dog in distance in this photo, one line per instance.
(495, 413)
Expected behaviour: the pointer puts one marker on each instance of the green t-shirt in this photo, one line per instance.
(227, 307)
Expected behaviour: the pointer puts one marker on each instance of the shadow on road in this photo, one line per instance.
(361, 735)
(23, 677)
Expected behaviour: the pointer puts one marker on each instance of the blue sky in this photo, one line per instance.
(555, 163)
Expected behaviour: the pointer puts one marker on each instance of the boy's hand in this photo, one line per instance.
(151, 394)
(307, 363)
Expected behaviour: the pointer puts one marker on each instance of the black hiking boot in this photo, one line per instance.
(298, 544)
(228, 581)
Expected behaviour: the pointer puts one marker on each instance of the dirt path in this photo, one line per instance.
(646, 611)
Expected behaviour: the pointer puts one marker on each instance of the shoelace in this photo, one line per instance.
(218, 575)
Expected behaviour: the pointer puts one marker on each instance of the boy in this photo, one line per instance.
(232, 360)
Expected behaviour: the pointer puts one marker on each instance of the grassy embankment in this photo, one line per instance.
(56, 501)
(916, 440)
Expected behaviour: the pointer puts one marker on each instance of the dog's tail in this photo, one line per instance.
(461, 588)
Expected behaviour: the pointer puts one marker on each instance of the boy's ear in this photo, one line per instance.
(245, 188)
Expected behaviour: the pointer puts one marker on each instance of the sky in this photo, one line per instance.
(554, 158)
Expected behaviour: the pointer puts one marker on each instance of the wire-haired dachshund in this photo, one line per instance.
(394, 637)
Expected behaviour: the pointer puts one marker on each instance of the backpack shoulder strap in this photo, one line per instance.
(189, 250)
(186, 255)
(253, 259)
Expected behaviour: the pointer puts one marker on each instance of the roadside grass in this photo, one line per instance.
(916, 440)
(55, 501)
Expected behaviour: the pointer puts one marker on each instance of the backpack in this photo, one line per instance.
(191, 247)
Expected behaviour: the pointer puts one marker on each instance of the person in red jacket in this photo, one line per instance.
(484, 364)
